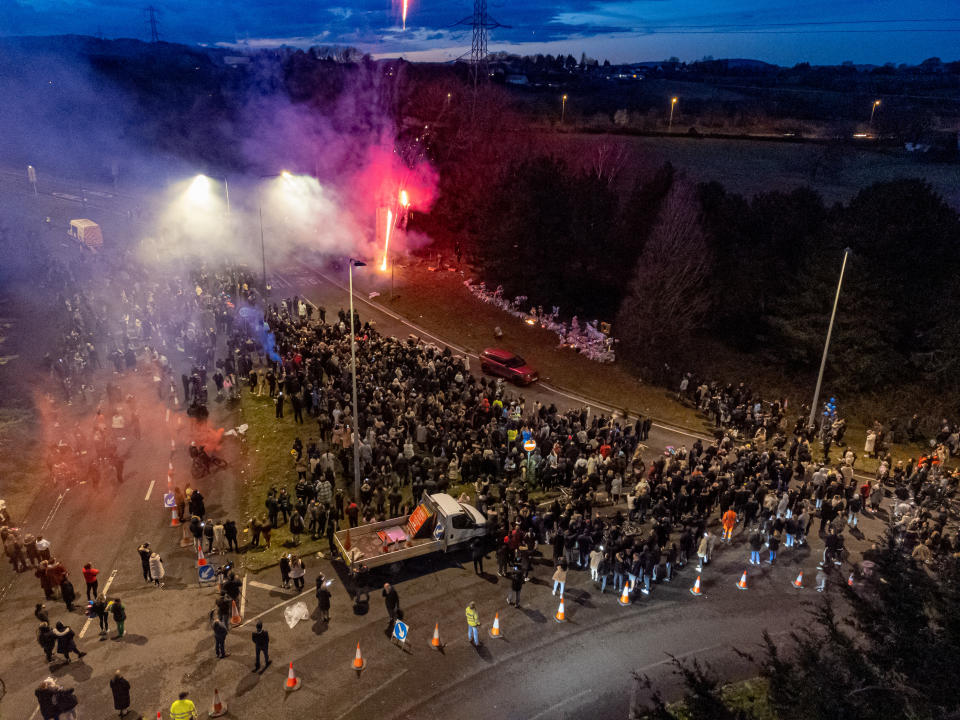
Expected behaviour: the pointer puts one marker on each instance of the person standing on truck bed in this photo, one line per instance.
(392, 602)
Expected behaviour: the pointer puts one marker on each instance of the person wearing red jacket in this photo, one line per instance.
(90, 577)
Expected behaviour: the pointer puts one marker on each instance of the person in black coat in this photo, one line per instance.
(120, 687)
(47, 640)
(230, 530)
(144, 552)
(220, 638)
(392, 602)
(477, 551)
(323, 599)
(261, 641)
(66, 643)
(68, 594)
(516, 585)
(47, 699)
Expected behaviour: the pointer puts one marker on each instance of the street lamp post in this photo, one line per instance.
(263, 252)
(873, 109)
(826, 345)
(673, 104)
(563, 108)
(353, 372)
(226, 192)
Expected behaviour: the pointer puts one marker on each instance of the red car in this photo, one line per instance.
(504, 363)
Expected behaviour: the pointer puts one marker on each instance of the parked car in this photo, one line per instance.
(495, 361)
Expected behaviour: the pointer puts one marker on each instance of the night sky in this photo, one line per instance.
(783, 32)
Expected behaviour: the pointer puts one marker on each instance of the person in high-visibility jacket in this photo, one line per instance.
(183, 709)
(473, 624)
(729, 522)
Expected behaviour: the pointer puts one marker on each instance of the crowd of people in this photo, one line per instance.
(427, 423)
(630, 517)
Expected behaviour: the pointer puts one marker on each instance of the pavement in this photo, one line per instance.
(540, 669)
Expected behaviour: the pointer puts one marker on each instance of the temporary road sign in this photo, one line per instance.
(400, 630)
(169, 501)
(438, 531)
(530, 445)
(205, 573)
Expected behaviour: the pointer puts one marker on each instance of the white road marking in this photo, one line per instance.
(56, 506)
(278, 605)
(265, 586)
(149, 490)
(106, 589)
(559, 704)
(243, 596)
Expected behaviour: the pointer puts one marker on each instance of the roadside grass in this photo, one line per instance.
(748, 697)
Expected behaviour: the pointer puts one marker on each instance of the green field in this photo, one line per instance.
(748, 167)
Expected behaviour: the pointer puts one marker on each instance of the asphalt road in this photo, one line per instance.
(541, 669)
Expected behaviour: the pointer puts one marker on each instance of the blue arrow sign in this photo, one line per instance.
(205, 573)
(169, 501)
(438, 531)
(400, 630)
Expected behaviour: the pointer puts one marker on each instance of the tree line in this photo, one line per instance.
(674, 264)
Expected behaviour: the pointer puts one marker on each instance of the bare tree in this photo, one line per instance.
(668, 297)
(608, 160)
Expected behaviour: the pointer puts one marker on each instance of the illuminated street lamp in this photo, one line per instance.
(873, 109)
(563, 107)
(673, 104)
(351, 263)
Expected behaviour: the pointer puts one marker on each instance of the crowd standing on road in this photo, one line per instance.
(426, 424)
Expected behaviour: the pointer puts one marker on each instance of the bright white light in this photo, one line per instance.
(199, 189)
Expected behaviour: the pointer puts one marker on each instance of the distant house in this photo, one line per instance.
(517, 79)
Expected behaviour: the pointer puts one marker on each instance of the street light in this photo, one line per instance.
(873, 109)
(673, 104)
(826, 345)
(353, 371)
(563, 108)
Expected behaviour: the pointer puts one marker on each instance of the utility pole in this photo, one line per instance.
(154, 24)
(353, 372)
(826, 345)
(263, 253)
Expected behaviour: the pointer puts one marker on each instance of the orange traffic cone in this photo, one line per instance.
(201, 560)
(435, 641)
(495, 630)
(742, 585)
(358, 662)
(559, 617)
(219, 707)
(625, 595)
(695, 590)
(346, 540)
(293, 682)
(798, 583)
(850, 580)
(235, 617)
(174, 520)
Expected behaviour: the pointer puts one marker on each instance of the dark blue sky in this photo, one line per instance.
(780, 31)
